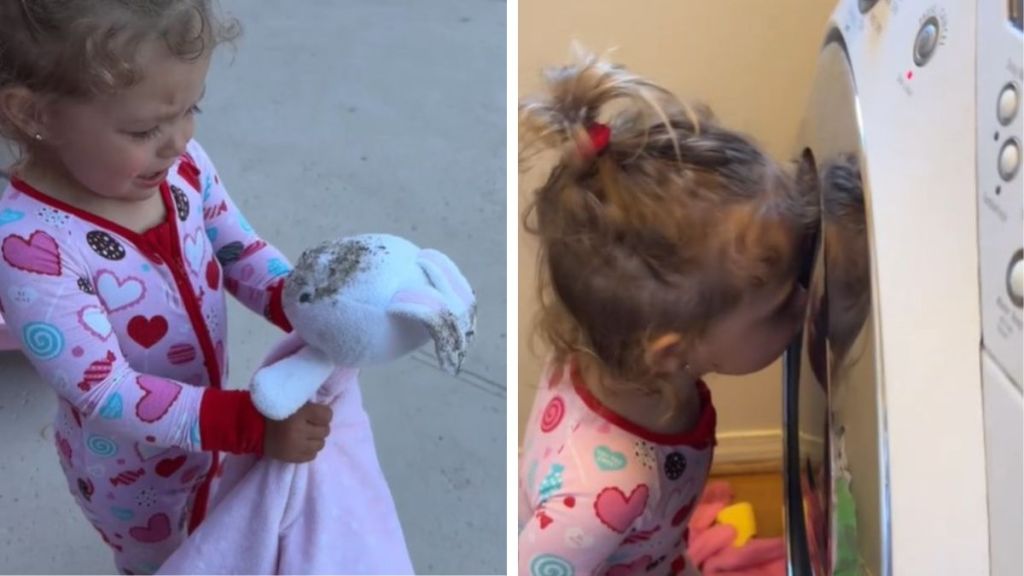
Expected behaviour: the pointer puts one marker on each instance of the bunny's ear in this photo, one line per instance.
(446, 277)
(444, 305)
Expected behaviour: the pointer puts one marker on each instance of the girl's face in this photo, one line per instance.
(753, 334)
(759, 329)
(121, 146)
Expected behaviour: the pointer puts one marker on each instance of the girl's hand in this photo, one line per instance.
(299, 437)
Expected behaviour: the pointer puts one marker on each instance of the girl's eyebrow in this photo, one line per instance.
(171, 116)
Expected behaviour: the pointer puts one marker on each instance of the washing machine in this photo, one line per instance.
(902, 395)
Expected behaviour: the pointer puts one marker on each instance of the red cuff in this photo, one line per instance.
(229, 422)
(275, 308)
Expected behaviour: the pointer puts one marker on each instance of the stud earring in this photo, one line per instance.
(38, 137)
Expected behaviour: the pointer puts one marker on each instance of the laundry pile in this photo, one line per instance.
(721, 541)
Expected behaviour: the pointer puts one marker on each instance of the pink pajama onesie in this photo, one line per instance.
(130, 331)
(599, 494)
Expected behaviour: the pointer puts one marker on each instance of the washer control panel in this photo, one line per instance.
(1000, 184)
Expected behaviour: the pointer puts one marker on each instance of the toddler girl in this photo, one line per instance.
(118, 243)
(669, 251)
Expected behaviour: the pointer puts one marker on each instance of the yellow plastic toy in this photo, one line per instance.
(741, 517)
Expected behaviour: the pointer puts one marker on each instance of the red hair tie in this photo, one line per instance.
(600, 136)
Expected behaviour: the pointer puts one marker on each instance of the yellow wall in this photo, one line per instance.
(750, 60)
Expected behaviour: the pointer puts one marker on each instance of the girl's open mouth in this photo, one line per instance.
(153, 178)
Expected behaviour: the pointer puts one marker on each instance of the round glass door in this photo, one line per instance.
(835, 457)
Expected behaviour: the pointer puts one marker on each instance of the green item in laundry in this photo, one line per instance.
(847, 559)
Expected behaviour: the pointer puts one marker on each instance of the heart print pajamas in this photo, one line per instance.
(130, 330)
(599, 494)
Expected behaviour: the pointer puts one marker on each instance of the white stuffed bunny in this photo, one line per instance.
(365, 300)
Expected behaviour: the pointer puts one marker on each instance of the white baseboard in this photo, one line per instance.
(757, 450)
(748, 446)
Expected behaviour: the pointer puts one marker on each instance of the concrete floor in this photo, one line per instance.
(335, 118)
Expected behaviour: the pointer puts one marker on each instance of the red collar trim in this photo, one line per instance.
(137, 238)
(700, 436)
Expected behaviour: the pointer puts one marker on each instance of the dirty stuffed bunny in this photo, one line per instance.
(355, 302)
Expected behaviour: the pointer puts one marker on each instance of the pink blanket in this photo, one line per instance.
(333, 515)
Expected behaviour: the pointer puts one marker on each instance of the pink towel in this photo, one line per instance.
(710, 545)
(332, 515)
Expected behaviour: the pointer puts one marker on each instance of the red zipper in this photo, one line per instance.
(186, 292)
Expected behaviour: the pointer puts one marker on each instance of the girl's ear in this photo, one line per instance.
(667, 353)
(22, 108)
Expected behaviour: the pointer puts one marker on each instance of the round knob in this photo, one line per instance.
(926, 41)
(1008, 102)
(1009, 159)
(866, 5)
(1015, 279)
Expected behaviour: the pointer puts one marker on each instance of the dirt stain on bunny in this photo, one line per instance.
(451, 339)
(328, 267)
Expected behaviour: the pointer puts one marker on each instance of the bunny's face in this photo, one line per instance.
(318, 299)
(323, 272)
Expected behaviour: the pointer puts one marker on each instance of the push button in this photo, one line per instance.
(1009, 160)
(1009, 101)
(1015, 279)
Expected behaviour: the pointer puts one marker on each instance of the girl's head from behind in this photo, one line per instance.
(672, 247)
(102, 93)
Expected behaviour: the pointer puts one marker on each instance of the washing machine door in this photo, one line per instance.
(835, 465)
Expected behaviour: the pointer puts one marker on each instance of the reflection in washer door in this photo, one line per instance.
(835, 460)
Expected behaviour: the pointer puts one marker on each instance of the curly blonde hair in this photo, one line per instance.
(662, 231)
(83, 48)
